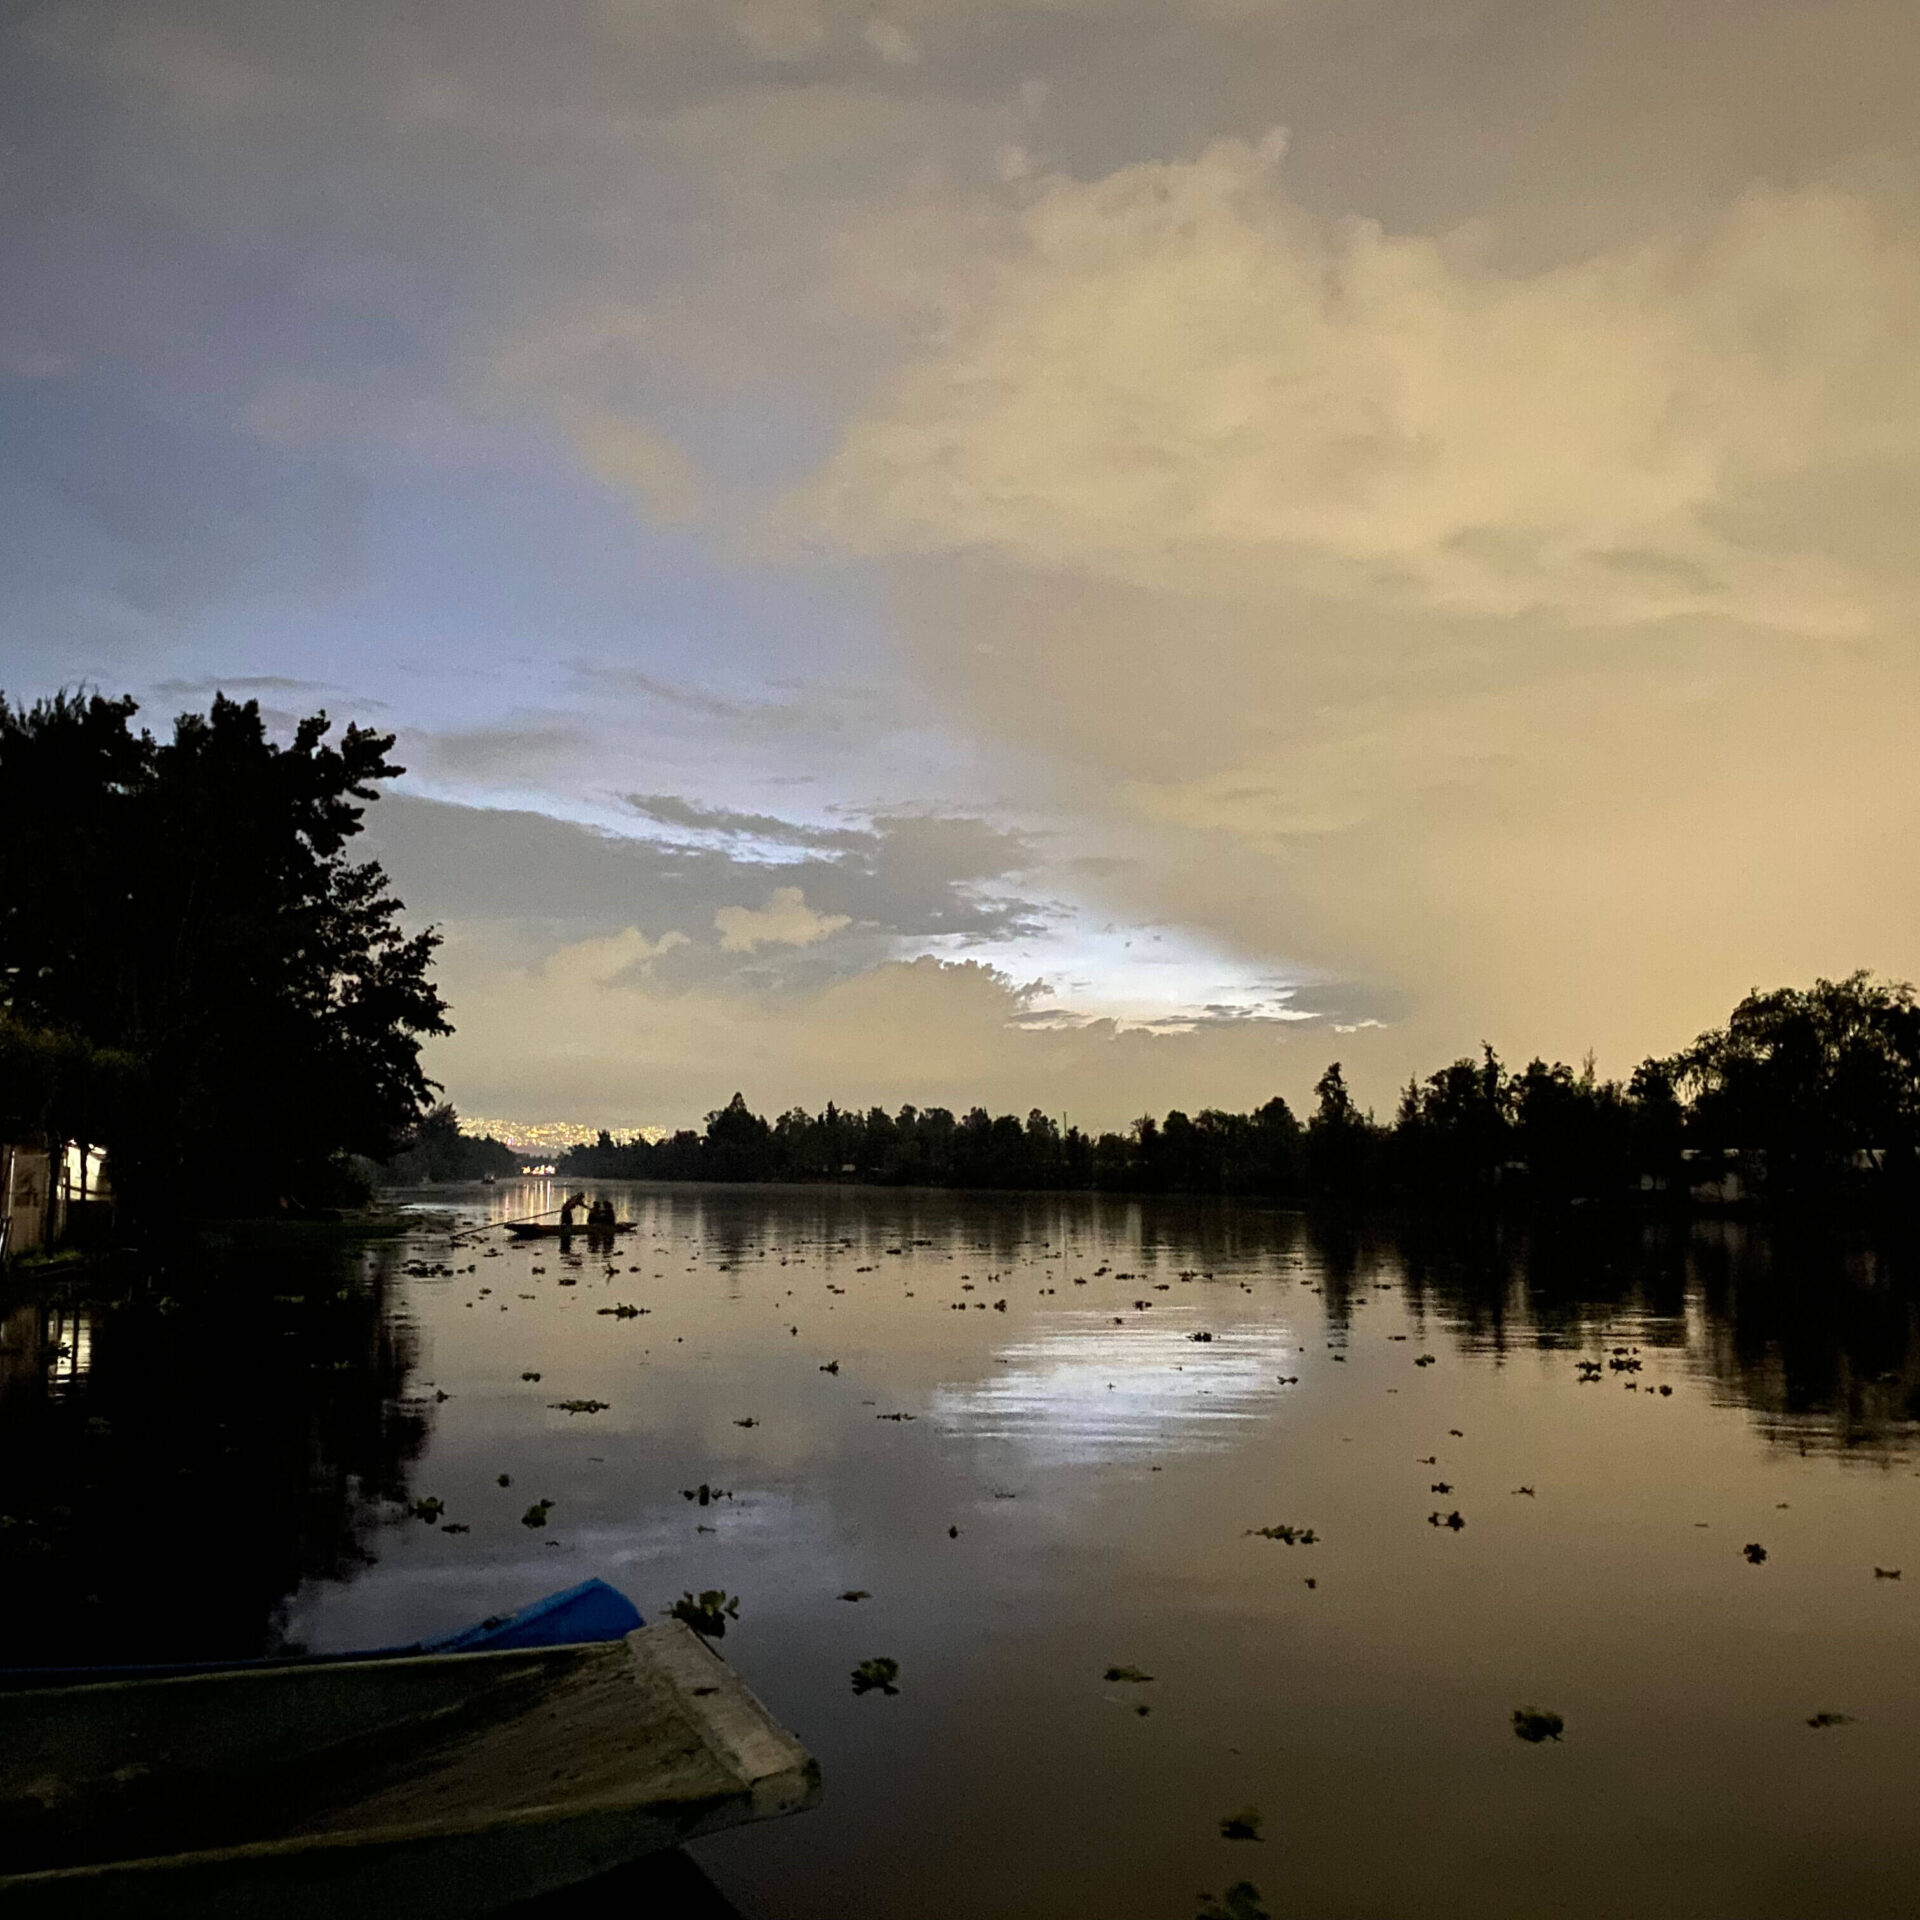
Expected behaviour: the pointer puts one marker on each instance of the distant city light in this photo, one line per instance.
(547, 1137)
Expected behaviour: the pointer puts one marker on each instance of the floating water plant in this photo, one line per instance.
(1244, 1825)
(536, 1515)
(1241, 1902)
(1287, 1536)
(1132, 1674)
(708, 1613)
(579, 1406)
(876, 1676)
(1830, 1720)
(1534, 1725)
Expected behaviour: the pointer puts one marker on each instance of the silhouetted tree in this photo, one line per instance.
(61, 1086)
(438, 1150)
(739, 1144)
(189, 904)
(1340, 1141)
(1812, 1078)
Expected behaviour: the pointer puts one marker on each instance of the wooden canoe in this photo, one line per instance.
(436, 1784)
(548, 1230)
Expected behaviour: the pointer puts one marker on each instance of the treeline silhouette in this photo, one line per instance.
(1805, 1093)
(437, 1150)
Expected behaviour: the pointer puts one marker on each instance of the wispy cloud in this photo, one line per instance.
(248, 685)
(670, 810)
(509, 753)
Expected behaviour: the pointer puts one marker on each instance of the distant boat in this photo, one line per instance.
(547, 1230)
(456, 1777)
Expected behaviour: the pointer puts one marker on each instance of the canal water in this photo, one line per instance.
(1217, 1549)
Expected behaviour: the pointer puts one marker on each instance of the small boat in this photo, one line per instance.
(456, 1776)
(549, 1230)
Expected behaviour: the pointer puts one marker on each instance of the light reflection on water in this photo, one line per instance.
(1085, 1393)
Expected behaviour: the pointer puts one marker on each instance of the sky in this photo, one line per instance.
(1083, 554)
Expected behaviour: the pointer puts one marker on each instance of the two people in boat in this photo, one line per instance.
(601, 1219)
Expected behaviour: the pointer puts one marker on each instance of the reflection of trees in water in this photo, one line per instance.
(1815, 1328)
(735, 1224)
(1563, 1281)
(162, 1500)
(1812, 1326)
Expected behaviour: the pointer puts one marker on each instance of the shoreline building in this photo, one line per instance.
(51, 1192)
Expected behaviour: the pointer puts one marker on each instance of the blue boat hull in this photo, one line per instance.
(575, 1616)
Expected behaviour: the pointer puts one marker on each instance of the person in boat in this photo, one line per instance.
(567, 1209)
(600, 1223)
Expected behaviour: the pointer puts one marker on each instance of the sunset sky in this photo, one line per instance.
(1089, 554)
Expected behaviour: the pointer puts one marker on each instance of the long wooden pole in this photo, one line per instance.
(473, 1233)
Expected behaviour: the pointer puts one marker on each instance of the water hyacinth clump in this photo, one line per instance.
(876, 1676)
(709, 1613)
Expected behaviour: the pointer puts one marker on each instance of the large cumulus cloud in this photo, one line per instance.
(1537, 640)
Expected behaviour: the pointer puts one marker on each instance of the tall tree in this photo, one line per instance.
(191, 903)
(1812, 1076)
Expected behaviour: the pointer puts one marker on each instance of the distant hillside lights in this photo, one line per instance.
(546, 1139)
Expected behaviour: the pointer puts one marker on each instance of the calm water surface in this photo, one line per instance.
(1106, 1399)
